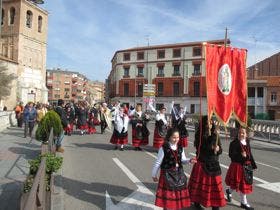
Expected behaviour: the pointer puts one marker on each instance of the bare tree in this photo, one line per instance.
(5, 81)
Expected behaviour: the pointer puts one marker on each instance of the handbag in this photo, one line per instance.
(212, 168)
(175, 179)
(162, 131)
(248, 173)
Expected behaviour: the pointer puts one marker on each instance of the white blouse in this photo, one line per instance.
(161, 117)
(161, 156)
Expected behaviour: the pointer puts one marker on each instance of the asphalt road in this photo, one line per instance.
(95, 176)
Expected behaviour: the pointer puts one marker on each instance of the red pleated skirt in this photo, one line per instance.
(138, 142)
(118, 140)
(69, 129)
(171, 199)
(235, 179)
(91, 130)
(158, 140)
(83, 127)
(204, 189)
(183, 141)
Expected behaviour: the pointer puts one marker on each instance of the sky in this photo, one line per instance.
(84, 35)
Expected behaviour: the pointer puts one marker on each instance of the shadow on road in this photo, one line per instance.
(93, 193)
(10, 191)
(262, 148)
(27, 153)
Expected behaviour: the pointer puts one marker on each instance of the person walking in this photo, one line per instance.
(140, 132)
(19, 114)
(205, 183)
(160, 128)
(62, 114)
(29, 118)
(104, 113)
(240, 173)
(119, 136)
(170, 160)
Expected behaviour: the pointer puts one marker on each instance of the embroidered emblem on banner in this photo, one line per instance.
(225, 79)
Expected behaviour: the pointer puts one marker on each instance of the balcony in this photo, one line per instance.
(160, 75)
(196, 74)
(176, 75)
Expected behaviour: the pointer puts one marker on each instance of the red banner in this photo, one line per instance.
(226, 83)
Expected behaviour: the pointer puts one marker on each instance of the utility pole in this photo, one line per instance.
(226, 35)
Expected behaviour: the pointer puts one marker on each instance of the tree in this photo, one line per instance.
(5, 81)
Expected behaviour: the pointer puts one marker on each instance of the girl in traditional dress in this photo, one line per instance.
(160, 128)
(70, 114)
(205, 183)
(238, 178)
(91, 121)
(119, 136)
(171, 156)
(82, 118)
(140, 132)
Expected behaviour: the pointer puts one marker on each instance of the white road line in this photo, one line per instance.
(226, 167)
(264, 164)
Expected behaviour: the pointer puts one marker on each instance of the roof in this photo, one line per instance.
(252, 67)
(175, 45)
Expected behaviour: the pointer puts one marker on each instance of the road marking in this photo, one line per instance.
(275, 187)
(264, 164)
(142, 198)
(226, 167)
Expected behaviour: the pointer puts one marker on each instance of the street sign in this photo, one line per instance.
(149, 90)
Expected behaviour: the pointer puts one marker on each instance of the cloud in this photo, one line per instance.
(84, 36)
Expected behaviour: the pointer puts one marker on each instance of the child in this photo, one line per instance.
(171, 156)
(205, 184)
(236, 178)
(119, 136)
(160, 128)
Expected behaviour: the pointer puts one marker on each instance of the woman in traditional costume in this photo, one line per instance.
(160, 128)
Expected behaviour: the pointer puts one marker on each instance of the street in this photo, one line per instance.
(95, 176)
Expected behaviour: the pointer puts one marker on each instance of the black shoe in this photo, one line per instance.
(198, 206)
(116, 147)
(228, 195)
(121, 149)
(139, 149)
(135, 148)
(246, 206)
(215, 208)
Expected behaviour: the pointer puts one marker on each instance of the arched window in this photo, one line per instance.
(3, 14)
(29, 16)
(12, 15)
(40, 21)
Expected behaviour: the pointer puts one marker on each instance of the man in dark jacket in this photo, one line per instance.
(64, 121)
(29, 118)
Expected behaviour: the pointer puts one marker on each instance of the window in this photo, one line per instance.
(260, 92)
(196, 88)
(160, 89)
(126, 89)
(273, 97)
(140, 71)
(197, 51)
(192, 108)
(176, 70)
(161, 53)
(140, 55)
(66, 89)
(29, 17)
(56, 96)
(176, 53)
(3, 15)
(196, 69)
(176, 91)
(126, 56)
(140, 90)
(251, 92)
(161, 71)
(40, 22)
(12, 15)
(126, 71)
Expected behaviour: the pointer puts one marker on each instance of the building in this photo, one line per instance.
(268, 70)
(67, 85)
(97, 91)
(23, 43)
(177, 70)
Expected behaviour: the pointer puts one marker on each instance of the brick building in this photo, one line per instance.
(268, 71)
(71, 85)
(23, 43)
(175, 69)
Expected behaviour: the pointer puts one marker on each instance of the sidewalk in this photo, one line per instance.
(15, 151)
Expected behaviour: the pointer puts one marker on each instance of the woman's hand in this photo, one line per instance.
(243, 154)
(155, 179)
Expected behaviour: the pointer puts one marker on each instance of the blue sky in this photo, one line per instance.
(83, 35)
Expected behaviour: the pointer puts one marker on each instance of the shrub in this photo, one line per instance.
(51, 119)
